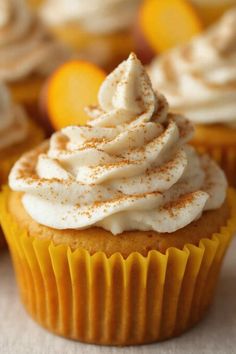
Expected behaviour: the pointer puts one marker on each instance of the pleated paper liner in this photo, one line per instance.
(115, 301)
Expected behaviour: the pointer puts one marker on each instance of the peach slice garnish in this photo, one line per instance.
(70, 89)
(167, 23)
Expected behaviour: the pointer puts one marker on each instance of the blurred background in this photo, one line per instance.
(105, 31)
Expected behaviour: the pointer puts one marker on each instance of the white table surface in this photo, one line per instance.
(215, 334)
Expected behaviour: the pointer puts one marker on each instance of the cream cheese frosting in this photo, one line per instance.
(99, 16)
(130, 168)
(199, 79)
(13, 121)
(25, 45)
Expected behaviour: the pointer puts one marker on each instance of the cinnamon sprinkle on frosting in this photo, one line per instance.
(129, 168)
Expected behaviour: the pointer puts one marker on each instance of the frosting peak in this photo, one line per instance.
(129, 168)
(128, 87)
(125, 95)
(199, 78)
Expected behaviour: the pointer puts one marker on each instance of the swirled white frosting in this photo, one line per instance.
(100, 16)
(25, 45)
(13, 121)
(130, 168)
(199, 79)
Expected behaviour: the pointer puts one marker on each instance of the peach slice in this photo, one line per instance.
(72, 87)
(167, 23)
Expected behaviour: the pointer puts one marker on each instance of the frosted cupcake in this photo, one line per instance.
(199, 80)
(98, 29)
(27, 53)
(17, 134)
(117, 229)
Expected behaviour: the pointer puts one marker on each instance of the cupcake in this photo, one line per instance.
(27, 53)
(100, 30)
(118, 229)
(17, 134)
(199, 80)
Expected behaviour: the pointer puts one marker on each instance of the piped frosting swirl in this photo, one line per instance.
(13, 121)
(199, 79)
(130, 168)
(25, 45)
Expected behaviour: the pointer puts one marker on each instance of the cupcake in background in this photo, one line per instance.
(17, 134)
(118, 228)
(199, 80)
(100, 30)
(28, 53)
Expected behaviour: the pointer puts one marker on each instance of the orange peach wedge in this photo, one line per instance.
(72, 87)
(167, 23)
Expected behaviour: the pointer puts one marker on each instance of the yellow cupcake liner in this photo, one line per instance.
(113, 300)
(225, 156)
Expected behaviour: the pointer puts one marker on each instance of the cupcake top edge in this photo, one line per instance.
(13, 120)
(199, 78)
(130, 168)
(26, 47)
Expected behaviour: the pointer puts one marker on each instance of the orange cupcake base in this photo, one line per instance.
(115, 300)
